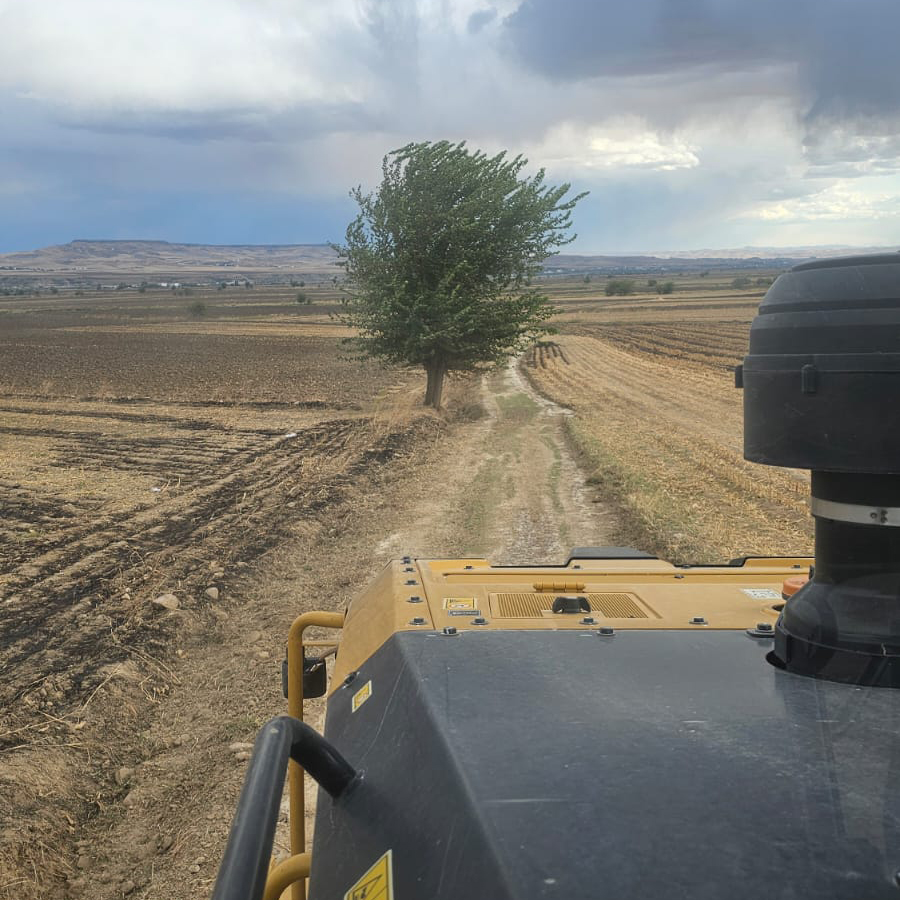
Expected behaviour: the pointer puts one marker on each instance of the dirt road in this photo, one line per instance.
(504, 486)
(511, 491)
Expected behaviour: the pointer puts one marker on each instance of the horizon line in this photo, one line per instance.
(708, 251)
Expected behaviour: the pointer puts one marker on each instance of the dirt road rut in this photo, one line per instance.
(510, 491)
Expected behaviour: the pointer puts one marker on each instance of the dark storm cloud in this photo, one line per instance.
(392, 51)
(843, 51)
(247, 125)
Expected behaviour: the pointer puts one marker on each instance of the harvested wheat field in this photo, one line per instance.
(659, 424)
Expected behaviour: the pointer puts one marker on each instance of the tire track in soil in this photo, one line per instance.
(282, 491)
(174, 459)
(45, 620)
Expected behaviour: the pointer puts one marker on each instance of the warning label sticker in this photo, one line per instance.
(361, 696)
(762, 593)
(376, 884)
(463, 604)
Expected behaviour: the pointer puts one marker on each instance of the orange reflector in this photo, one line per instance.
(792, 585)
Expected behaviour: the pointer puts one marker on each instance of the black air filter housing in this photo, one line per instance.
(822, 392)
(822, 378)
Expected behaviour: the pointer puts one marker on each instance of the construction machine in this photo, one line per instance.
(618, 726)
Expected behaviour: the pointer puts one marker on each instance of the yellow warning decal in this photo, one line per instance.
(452, 603)
(361, 696)
(376, 884)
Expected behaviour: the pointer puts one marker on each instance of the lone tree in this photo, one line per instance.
(441, 256)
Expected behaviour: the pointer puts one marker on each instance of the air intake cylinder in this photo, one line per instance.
(822, 392)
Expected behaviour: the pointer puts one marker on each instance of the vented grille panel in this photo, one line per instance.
(529, 606)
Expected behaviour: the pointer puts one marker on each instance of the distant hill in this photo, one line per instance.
(161, 257)
(570, 264)
(768, 258)
(810, 251)
(89, 260)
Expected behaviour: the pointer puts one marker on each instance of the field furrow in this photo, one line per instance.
(660, 423)
(78, 600)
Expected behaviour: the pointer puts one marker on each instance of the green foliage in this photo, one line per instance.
(619, 287)
(197, 309)
(742, 281)
(667, 287)
(651, 282)
(587, 279)
(763, 282)
(303, 297)
(439, 259)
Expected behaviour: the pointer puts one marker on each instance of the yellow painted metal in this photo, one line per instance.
(290, 872)
(623, 593)
(559, 586)
(383, 609)
(295, 708)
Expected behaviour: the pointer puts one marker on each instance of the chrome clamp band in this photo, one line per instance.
(856, 513)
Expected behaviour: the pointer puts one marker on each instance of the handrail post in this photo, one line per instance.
(286, 874)
(295, 709)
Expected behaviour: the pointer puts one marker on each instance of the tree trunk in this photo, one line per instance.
(435, 370)
(429, 385)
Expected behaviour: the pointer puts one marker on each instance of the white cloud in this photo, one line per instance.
(851, 151)
(840, 202)
(624, 144)
(176, 55)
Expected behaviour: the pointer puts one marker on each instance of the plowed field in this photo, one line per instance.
(144, 469)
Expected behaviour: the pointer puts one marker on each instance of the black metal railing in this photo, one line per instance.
(245, 865)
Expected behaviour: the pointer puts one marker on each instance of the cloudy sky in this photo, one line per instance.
(693, 123)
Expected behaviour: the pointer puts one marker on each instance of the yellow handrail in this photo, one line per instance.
(295, 708)
(289, 872)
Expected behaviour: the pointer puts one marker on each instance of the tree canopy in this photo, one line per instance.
(441, 256)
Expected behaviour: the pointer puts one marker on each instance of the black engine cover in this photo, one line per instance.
(647, 764)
